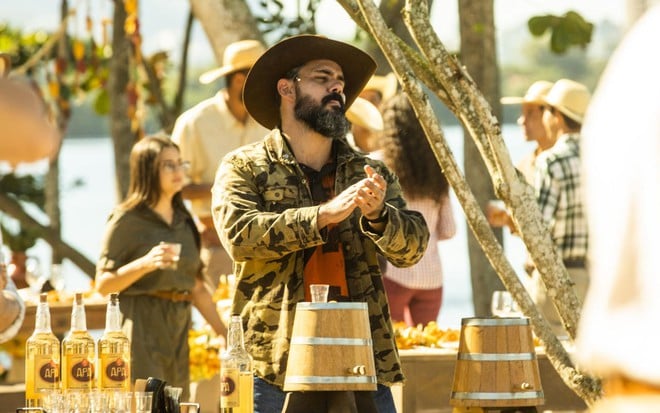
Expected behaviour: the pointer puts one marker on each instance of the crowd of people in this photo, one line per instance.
(286, 192)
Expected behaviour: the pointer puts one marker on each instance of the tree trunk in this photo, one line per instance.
(224, 22)
(120, 123)
(477, 28)
(448, 79)
(391, 12)
(52, 187)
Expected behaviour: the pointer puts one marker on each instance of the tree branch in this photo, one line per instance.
(14, 208)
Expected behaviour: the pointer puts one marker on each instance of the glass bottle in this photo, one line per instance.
(78, 351)
(42, 357)
(236, 379)
(114, 347)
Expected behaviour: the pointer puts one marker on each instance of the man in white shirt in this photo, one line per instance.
(206, 133)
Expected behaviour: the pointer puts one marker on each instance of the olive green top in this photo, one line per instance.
(158, 328)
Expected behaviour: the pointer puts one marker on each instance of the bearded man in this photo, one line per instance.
(302, 207)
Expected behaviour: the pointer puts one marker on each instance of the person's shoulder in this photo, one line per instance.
(207, 105)
(248, 152)
(123, 216)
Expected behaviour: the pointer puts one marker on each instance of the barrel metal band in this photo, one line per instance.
(330, 379)
(497, 396)
(331, 341)
(504, 321)
(496, 356)
(331, 306)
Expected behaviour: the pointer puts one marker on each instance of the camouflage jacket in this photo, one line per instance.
(265, 217)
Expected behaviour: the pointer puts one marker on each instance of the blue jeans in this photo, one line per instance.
(270, 399)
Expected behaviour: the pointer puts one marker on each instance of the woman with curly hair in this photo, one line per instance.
(415, 293)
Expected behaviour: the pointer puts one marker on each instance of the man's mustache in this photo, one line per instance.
(335, 96)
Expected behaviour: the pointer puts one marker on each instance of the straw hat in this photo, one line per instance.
(535, 94)
(5, 64)
(239, 55)
(385, 85)
(364, 113)
(260, 93)
(570, 98)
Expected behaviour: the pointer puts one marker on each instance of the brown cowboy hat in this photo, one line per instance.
(259, 92)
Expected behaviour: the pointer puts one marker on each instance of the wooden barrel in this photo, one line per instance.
(331, 348)
(496, 365)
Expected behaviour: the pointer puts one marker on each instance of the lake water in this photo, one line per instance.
(85, 208)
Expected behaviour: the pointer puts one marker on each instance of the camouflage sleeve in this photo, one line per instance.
(406, 234)
(245, 228)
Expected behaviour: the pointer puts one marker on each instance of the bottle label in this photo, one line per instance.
(46, 373)
(114, 370)
(81, 371)
(229, 389)
(49, 373)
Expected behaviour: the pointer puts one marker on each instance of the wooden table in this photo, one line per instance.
(430, 374)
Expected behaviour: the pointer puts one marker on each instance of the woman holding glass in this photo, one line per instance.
(141, 260)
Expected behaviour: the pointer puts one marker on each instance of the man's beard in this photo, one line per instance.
(330, 122)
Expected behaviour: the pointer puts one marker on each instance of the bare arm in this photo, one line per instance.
(115, 281)
(203, 301)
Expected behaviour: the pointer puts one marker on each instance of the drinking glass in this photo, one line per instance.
(57, 278)
(98, 402)
(175, 249)
(55, 401)
(143, 401)
(172, 399)
(319, 292)
(33, 274)
(119, 401)
(501, 304)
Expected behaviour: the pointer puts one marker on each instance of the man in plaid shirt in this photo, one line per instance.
(559, 191)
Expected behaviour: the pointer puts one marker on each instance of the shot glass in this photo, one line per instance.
(175, 250)
(319, 292)
(143, 401)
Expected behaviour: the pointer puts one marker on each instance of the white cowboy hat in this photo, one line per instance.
(239, 55)
(364, 113)
(570, 98)
(535, 94)
(385, 85)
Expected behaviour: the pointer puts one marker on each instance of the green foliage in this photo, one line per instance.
(272, 19)
(25, 188)
(565, 31)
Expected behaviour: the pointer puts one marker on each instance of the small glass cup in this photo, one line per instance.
(98, 402)
(319, 292)
(503, 305)
(143, 401)
(175, 250)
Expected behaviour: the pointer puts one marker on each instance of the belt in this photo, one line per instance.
(620, 385)
(575, 263)
(174, 296)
